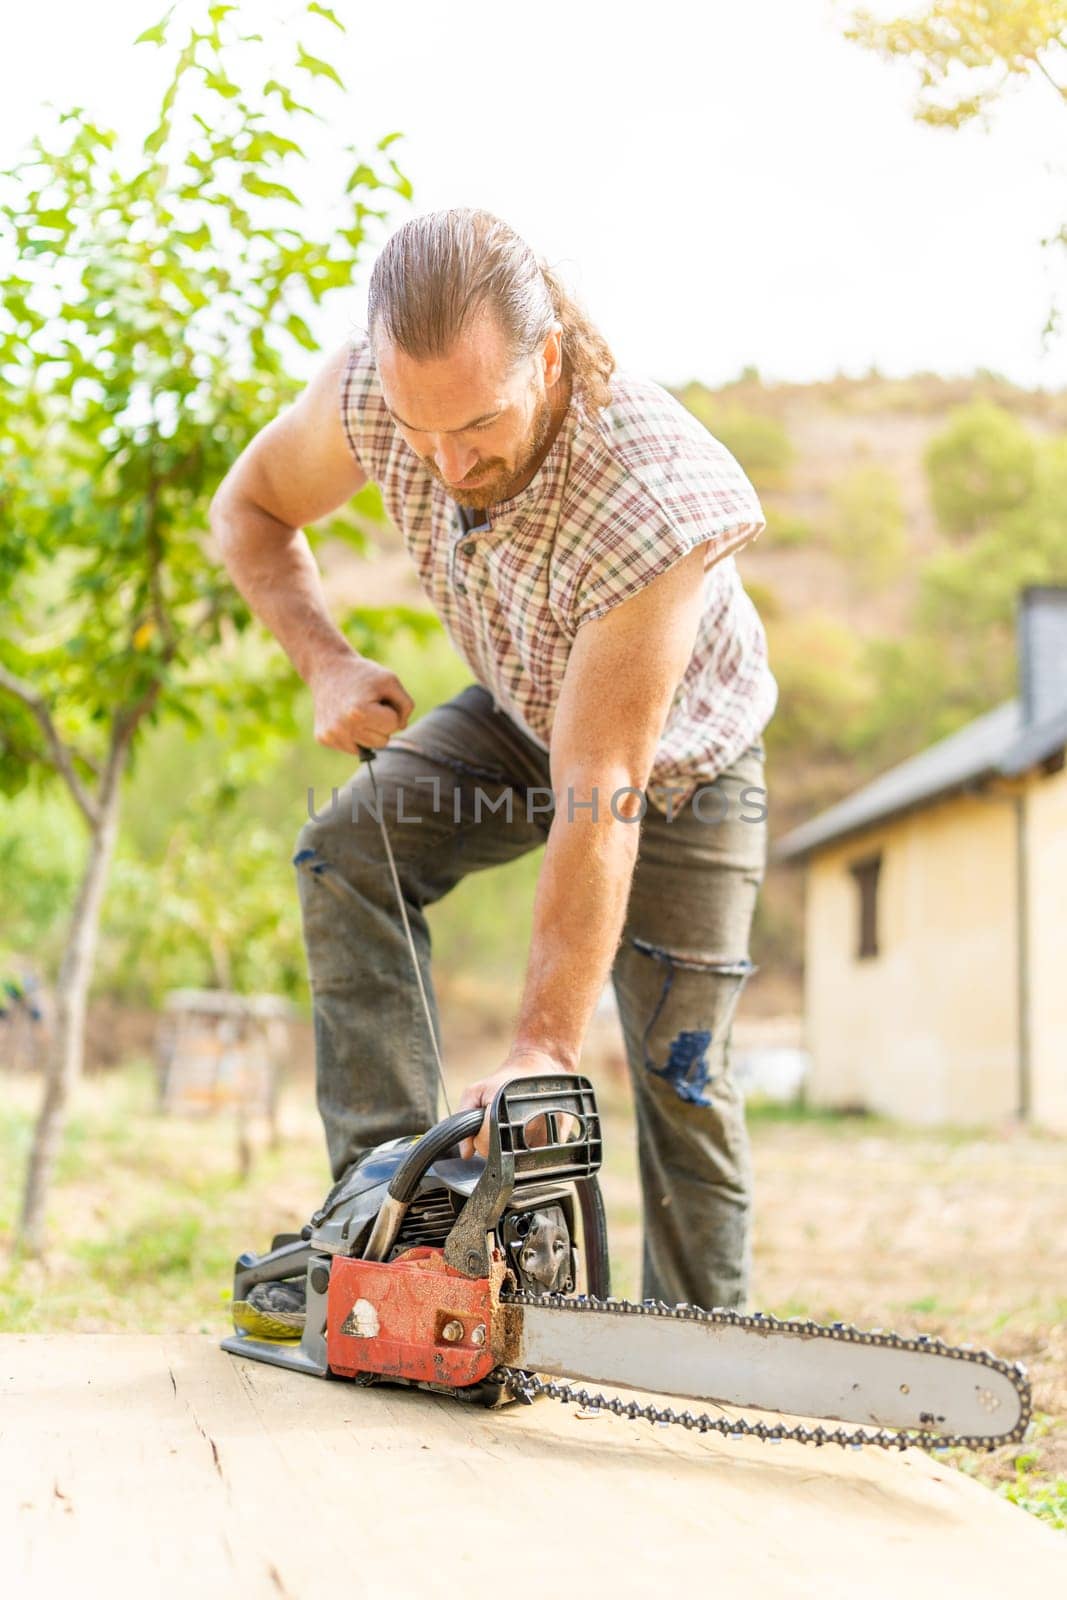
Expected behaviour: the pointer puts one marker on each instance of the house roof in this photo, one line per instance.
(999, 743)
(1035, 744)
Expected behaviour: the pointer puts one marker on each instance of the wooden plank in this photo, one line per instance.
(162, 1466)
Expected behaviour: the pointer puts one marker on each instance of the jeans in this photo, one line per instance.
(677, 974)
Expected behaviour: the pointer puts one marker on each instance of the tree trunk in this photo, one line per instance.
(67, 1049)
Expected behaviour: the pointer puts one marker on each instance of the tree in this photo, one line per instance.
(202, 885)
(969, 53)
(144, 337)
(980, 465)
(960, 656)
(971, 592)
(818, 662)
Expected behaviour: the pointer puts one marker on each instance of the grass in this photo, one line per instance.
(761, 1112)
(147, 1212)
(1047, 1500)
(858, 1220)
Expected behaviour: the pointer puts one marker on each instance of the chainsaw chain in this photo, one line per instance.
(527, 1385)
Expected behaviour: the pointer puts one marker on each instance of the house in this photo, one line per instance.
(936, 914)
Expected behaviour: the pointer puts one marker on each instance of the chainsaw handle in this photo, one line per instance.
(561, 1106)
(408, 1176)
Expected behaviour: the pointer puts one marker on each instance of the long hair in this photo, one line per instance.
(438, 272)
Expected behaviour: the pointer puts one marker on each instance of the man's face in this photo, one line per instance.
(477, 428)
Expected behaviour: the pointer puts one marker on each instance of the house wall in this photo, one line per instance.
(926, 1030)
(1046, 806)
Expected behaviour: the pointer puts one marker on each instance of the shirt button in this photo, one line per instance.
(469, 549)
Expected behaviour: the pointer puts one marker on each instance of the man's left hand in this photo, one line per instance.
(520, 1064)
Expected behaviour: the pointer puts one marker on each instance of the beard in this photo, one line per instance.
(496, 481)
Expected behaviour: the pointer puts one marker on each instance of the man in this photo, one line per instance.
(574, 529)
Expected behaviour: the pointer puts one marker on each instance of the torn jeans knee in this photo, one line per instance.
(691, 1017)
(310, 861)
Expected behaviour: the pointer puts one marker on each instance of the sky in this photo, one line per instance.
(725, 186)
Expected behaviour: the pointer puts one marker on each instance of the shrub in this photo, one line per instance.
(867, 524)
(765, 599)
(823, 689)
(787, 532)
(760, 442)
(982, 464)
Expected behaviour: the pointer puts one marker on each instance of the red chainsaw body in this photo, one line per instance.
(414, 1317)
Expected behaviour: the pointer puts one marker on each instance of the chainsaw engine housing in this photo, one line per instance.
(405, 1259)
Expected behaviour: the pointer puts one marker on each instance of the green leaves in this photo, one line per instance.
(317, 68)
(966, 52)
(145, 330)
(298, 328)
(402, 184)
(371, 628)
(267, 190)
(289, 103)
(982, 464)
(158, 34)
(155, 140)
(221, 85)
(362, 177)
(323, 11)
(53, 219)
(262, 147)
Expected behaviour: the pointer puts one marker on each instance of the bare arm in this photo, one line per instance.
(621, 676)
(297, 469)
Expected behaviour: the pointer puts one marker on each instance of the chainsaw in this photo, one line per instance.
(489, 1280)
(482, 1278)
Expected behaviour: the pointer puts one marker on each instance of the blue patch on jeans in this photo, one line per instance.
(302, 857)
(687, 1065)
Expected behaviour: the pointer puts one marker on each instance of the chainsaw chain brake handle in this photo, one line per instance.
(543, 1129)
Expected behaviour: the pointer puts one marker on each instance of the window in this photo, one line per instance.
(865, 876)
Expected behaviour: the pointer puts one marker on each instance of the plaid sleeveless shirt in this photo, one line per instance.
(624, 492)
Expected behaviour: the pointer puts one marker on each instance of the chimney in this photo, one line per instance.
(1042, 647)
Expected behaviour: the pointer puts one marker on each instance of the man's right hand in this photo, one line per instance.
(357, 702)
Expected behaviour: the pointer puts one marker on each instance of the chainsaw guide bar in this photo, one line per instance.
(489, 1280)
(974, 1383)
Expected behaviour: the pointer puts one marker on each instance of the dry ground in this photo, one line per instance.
(858, 1220)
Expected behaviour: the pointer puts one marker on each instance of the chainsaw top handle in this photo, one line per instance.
(547, 1126)
(543, 1129)
(408, 1176)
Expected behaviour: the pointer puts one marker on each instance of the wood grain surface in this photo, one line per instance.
(159, 1466)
